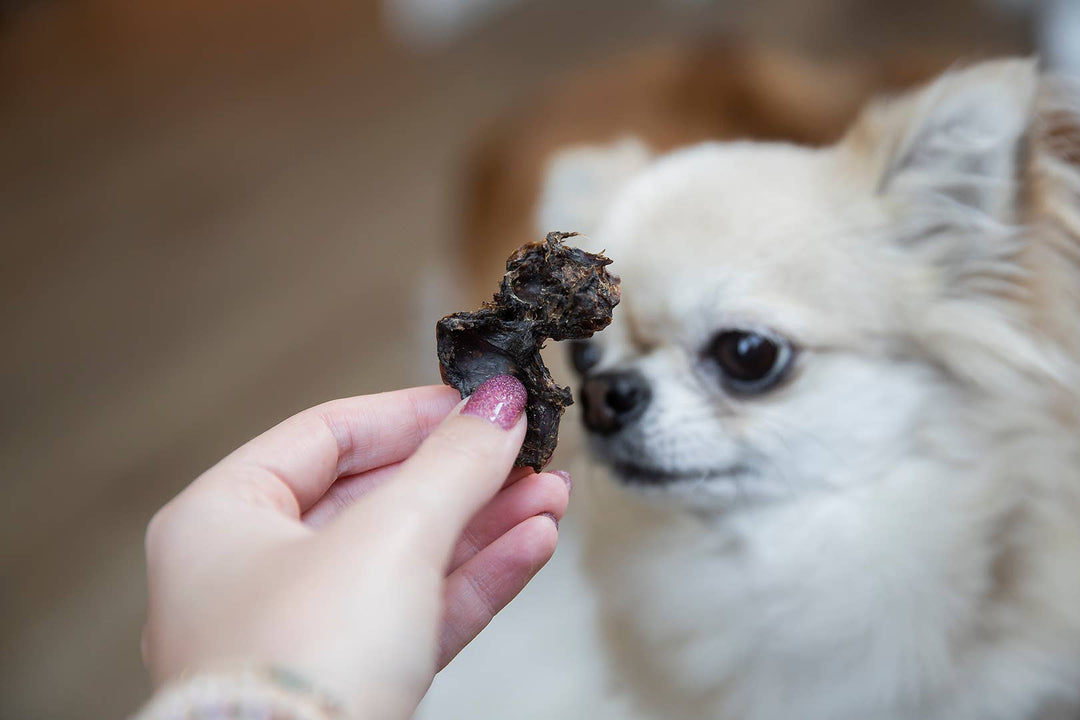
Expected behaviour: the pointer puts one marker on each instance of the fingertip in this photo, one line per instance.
(565, 477)
(539, 536)
(500, 400)
(554, 493)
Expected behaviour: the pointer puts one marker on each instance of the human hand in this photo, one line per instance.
(361, 543)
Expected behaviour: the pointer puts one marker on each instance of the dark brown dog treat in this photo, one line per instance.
(550, 290)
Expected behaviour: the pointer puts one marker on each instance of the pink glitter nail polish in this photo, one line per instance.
(500, 400)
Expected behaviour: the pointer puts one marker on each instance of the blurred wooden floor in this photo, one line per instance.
(213, 215)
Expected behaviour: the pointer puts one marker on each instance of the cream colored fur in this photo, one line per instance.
(907, 541)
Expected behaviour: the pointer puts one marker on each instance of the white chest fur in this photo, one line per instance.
(875, 604)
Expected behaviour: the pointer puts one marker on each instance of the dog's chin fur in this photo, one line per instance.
(894, 531)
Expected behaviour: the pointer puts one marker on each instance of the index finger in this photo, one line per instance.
(303, 455)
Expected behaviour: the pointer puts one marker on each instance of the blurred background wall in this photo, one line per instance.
(214, 214)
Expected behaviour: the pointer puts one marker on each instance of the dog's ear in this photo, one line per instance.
(955, 147)
(954, 162)
(580, 183)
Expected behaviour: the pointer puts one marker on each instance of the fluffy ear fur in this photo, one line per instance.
(958, 143)
(982, 170)
(581, 181)
(950, 160)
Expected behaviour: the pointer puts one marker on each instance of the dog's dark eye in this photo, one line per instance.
(584, 356)
(750, 362)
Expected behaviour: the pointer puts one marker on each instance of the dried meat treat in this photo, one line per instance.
(550, 290)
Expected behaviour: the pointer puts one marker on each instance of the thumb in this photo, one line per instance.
(461, 465)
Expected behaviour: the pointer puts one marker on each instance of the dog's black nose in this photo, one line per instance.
(613, 400)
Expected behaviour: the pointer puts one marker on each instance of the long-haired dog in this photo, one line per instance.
(840, 407)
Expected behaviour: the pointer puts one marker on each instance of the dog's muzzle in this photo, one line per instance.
(610, 401)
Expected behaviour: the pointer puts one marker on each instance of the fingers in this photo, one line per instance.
(480, 588)
(291, 465)
(542, 494)
(347, 490)
(460, 466)
(344, 492)
(517, 474)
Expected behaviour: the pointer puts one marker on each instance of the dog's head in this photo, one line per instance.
(793, 316)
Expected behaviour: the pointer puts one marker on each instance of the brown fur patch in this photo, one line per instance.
(667, 96)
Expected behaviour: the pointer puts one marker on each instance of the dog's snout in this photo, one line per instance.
(611, 401)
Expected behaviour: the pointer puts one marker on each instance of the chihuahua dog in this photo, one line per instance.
(840, 410)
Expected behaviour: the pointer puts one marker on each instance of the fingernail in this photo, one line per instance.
(500, 400)
(566, 478)
(552, 517)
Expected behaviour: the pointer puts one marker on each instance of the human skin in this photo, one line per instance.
(361, 543)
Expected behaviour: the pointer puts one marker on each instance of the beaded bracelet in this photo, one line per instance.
(268, 693)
